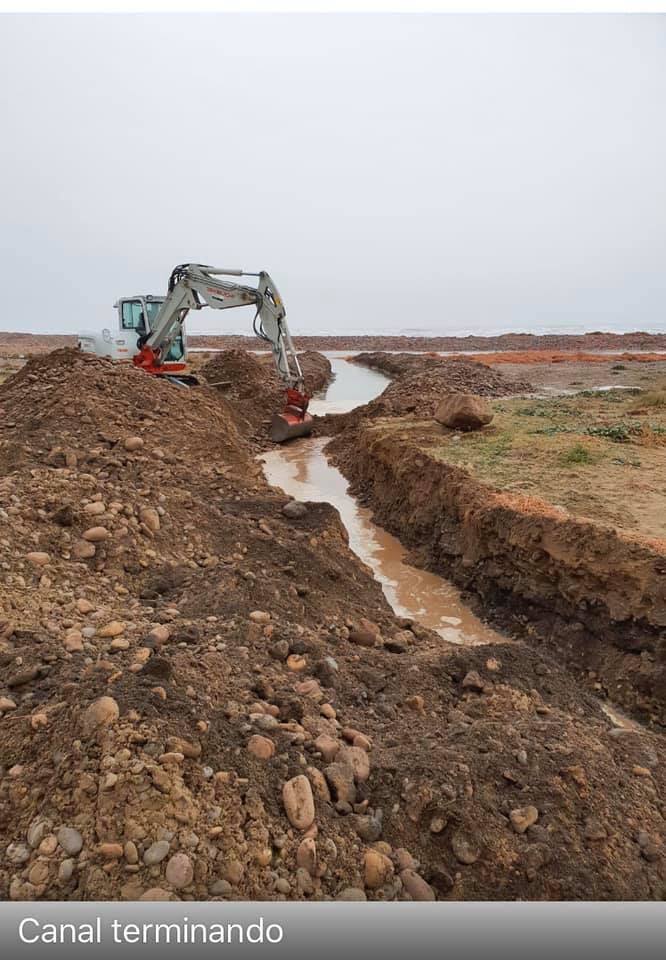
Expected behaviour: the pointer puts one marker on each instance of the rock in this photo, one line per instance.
(113, 851)
(306, 856)
(65, 870)
(73, 641)
(464, 849)
(463, 411)
(38, 558)
(6, 703)
(82, 550)
(179, 871)
(220, 888)
(159, 635)
(378, 869)
(156, 852)
(327, 746)
(95, 508)
(351, 894)
(261, 747)
(18, 853)
(260, 616)
(340, 778)
(416, 886)
(37, 830)
(133, 443)
(101, 713)
(70, 840)
(358, 760)
(294, 510)
(365, 634)
(156, 894)
(112, 629)
(150, 517)
(523, 817)
(299, 802)
(84, 606)
(96, 534)
(472, 681)
(280, 650)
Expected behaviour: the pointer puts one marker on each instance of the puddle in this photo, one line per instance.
(302, 471)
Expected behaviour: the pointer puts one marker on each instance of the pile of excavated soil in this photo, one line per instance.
(252, 388)
(203, 696)
(418, 385)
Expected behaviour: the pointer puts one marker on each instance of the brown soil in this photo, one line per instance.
(211, 588)
(419, 384)
(252, 388)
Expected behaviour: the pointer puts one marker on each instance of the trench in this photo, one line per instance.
(301, 470)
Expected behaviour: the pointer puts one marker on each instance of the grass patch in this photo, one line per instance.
(579, 455)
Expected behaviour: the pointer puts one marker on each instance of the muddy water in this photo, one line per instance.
(302, 471)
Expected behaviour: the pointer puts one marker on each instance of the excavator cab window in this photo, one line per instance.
(132, 316)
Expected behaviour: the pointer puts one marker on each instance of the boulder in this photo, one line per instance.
(463, 411)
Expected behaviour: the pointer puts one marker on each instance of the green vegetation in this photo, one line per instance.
(579, 454)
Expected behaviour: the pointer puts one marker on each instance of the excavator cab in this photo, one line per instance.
(137, 315)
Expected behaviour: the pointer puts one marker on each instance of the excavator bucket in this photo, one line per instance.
(294, 421)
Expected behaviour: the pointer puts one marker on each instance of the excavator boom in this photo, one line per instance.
(193, 286)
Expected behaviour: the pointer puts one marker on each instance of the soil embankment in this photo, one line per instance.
(252, 388)
(205, 695)
(591, 579)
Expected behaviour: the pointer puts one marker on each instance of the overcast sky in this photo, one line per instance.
(393, 173)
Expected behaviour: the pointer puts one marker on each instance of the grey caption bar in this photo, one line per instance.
(537, 931)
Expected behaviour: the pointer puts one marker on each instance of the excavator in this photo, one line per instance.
(193, 286)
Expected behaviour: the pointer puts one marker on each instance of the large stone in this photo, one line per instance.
(299, 802)
(463, 411)
(101, 713)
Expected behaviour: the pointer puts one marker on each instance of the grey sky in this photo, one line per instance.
(443, 173)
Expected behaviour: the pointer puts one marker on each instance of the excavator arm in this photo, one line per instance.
(193, 286)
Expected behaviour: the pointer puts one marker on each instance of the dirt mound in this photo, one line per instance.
(418, 385)
(252, 388)
(181, 661)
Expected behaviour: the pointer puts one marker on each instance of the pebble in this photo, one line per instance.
(70, 840)
(378, 869)
(38, 558)
(523, 817)
(133, 443)
(294, 510)
(6, 704)
(82, 550)
(472, 681)
(101, 713)
(260, 616)
(112, 850)
(299, 802)
(96, 534)
(261, 747)
(112, 629)
(327, 746)
(306, 856)
(179, 871)
(150, 517)
(156, 852)
(17, 853)
(464, 849)
(358, 760)
(65, 870)
(416, 886)
(351, 894)
(340, 778)
(37, 830)
(95, 508)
